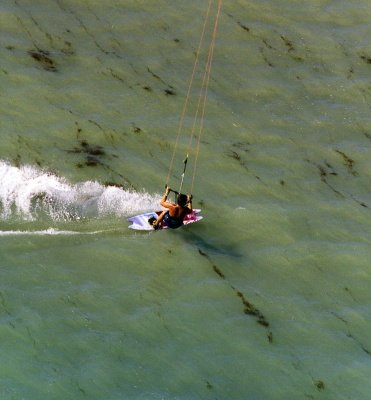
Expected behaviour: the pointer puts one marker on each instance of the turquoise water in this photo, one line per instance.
(266, 298)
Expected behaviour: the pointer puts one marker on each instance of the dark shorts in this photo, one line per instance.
(172, 222)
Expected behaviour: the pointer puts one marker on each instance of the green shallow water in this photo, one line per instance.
(267, 297)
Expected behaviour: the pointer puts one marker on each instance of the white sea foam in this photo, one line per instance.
(50, 231)
(28, 192)
(47, 232)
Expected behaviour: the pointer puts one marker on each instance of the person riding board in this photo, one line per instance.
(175, 212)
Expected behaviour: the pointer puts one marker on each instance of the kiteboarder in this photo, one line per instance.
(175, 212)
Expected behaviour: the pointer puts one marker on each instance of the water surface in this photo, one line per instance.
(267, 297)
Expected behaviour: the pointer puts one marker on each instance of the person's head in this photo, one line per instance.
(182, 200)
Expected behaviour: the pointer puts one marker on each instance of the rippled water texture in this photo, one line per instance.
(268, 297)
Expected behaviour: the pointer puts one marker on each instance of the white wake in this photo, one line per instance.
(29, 193)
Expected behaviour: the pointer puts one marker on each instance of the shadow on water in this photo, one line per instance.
(208, 251)
(210, 245)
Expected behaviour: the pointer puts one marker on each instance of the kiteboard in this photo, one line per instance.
(141, 222)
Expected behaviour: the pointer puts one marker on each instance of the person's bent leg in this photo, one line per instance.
(159, 219)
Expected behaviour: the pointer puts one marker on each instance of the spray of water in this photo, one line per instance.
(30, 193)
